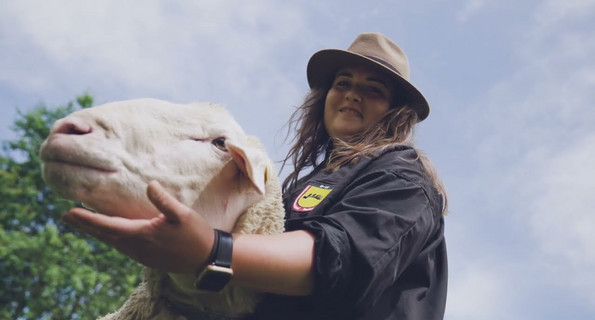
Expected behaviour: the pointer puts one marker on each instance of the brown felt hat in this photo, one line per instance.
(372, 49)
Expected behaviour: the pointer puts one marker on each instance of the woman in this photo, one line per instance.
(365, 232)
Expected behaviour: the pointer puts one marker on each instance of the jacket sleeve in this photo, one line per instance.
(366, 239)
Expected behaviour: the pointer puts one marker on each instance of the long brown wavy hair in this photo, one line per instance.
(312, 145)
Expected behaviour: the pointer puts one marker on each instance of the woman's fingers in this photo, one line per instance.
(130, 236)
(105, 228)
(166, 203)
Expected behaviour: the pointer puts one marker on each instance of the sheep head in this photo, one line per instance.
(105, 156)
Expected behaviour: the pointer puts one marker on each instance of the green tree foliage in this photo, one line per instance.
(48, 269)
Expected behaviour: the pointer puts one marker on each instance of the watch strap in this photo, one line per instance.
(222, 249)
(217, 272)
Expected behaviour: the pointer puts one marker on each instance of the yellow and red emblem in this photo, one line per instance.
(311, 197)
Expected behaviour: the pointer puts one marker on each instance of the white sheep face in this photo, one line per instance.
(105, 156)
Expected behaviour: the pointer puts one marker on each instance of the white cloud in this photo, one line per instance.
(553, 12)
(537, 152)
(182, 51)
(562, 215)
(470, 7)
(529, 231)
(481, 292)
(149, 45)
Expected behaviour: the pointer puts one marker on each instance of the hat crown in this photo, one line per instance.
(381, 49)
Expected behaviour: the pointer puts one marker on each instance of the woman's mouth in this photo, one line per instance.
(351, 111)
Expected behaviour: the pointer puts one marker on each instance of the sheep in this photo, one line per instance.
(105, 156)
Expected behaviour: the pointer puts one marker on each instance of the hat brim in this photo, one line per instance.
(324, 64)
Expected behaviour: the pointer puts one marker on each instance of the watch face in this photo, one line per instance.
(213, 278)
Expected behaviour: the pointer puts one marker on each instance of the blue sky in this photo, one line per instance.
(511, 85)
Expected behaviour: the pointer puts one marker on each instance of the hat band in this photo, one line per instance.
(383, 62)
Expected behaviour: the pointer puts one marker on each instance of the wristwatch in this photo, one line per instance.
(215, 276)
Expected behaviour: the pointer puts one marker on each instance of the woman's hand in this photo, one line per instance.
(178, 240)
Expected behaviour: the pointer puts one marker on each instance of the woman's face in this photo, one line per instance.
(356, 101)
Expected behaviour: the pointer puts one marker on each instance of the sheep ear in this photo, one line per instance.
(252, 163)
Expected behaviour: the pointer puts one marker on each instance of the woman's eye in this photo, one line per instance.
(341, 84)
(219, 143)
(374, 90)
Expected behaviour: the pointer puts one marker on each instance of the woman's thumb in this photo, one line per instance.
(166, 203)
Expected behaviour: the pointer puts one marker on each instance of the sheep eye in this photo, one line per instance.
(219, 143)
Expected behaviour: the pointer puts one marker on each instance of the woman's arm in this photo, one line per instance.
(275, 263)
(180, 241)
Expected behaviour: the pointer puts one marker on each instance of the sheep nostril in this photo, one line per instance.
(74, 127)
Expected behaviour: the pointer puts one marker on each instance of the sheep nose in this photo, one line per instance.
(74, 126)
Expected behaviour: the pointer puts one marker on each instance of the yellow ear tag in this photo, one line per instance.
(266, 174)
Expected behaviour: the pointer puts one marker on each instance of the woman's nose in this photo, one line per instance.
(353, 95)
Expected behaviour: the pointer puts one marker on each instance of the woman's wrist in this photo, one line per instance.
(217, 271)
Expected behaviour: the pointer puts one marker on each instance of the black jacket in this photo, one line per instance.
(379, 251)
